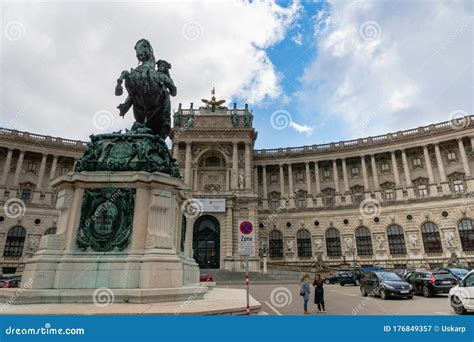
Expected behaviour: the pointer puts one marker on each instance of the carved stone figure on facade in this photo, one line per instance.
(414, 241)
(290, 246)
(148, 90)
(33, 244)
(349, 245)
(247, 120)
(453, 260)
(241, 179)
(234, 118)
(380, 242)
(450, 239)
(318, 245)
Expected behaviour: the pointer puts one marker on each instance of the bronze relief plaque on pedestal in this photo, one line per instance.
(106, 219)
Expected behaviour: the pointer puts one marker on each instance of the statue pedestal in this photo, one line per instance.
(116, 230)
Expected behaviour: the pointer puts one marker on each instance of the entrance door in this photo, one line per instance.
(206, 242)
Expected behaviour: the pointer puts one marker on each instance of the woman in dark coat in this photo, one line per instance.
(319, 293)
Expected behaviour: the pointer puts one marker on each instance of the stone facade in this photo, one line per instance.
(398, 199)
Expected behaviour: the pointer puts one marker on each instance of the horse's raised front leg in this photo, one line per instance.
(118, 87)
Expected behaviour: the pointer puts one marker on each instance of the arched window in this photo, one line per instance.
(466, 233)
(50, 231)
(333, 242)
(431, 238)
(396, 239)
(303, 242)
(275, 241)
(15, 242)
(363, 241)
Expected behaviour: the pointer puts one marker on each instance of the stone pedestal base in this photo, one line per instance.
(150, 257)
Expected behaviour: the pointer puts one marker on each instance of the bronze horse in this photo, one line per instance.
(148, 91)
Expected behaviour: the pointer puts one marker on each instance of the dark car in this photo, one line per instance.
(430, 283)
(458, 273)
(333, 278)
(350, 277)
(385, 285)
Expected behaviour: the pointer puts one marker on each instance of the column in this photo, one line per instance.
(364, 173)
(344, 175)
(309, 197)
(347, 193)
(39, 184)
(247, 167)
(396, 175)
(235, 166)
(432, 185)
(316, 178)
(19, 166)
(465, 162)
(375, 176)
(336, 175)
(265, 191)
(406, 171)
(440, 163)
(187, 165)
(255, 178)
(54, 165)
(176, 151)
(429, 168)
(282, 182)
(290, 186)
(6, 167)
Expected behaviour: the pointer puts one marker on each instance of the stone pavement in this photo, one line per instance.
(217, 301)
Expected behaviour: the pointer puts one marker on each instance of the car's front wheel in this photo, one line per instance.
(362, 291)
(357, 282)
(327, 282)
(426, 292)
(383, 295)
(456, 304)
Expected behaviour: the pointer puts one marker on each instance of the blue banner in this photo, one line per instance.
(244, 328)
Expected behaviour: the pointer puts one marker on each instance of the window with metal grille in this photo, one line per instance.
(458, 185)
(431, 238)
(451, 156)
(303, 242)
(466, 234)
(396, 239)
(15, 242)
(363, 241)
(275, 243)
(422, 190)
(333, 242)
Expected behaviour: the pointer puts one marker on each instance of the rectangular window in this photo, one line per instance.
(64, 170)
(326, 173)
(329, 200)
(301, 202)
(31, 167)
(25, 195)
(274, 203)
(358, 197)
(458, 186)
(273, 178)
(355, 170)
(451, 156)
(417, 163)
(422, 191)
(389, 195)
(385, 167)
(299, 176)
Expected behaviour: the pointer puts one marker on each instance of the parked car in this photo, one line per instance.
(459, 273)
(205, 277)
(430, 283)
(404, 273)
(461, 296)
(10, 282)
(333, 278)
(385, 285)
(350, 277)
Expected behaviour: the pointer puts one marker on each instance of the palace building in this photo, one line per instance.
(403, 199)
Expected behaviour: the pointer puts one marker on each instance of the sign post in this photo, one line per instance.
(247, 248)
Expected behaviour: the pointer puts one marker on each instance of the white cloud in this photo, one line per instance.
(301, 128)
(298, 39)
(415, 70)
(65, 63)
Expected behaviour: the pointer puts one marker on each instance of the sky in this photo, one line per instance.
(313, 72)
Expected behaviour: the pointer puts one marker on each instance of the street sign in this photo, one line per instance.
(246, 238)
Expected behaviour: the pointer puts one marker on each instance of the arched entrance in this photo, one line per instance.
(206, 242)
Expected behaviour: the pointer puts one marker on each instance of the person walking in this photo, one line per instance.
(319, 293)
(305, 291)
